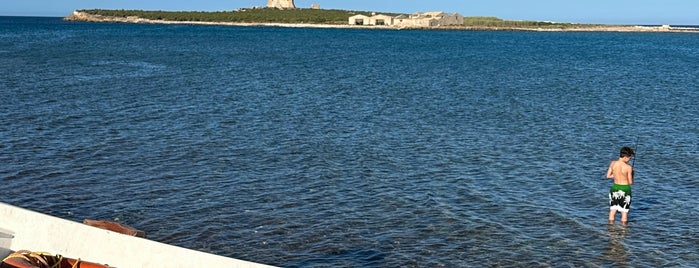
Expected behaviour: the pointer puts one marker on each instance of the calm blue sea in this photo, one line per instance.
(357, 148)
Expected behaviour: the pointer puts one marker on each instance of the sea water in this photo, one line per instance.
(357, 148)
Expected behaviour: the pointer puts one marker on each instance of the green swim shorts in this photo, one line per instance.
(620, 197)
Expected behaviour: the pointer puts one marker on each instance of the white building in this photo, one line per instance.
(381, 20)
(376, 19)
(359, 20)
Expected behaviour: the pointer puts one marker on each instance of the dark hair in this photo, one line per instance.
(626, 151)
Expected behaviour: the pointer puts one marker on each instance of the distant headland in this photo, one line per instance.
(319, 18)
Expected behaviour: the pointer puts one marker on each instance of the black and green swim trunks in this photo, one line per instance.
(620, 197)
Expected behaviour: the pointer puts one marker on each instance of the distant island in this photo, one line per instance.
(320, 18)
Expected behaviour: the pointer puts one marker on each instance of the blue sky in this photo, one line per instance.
(676, 12)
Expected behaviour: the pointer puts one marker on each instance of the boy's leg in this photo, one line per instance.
(624, 217)
(612, 214)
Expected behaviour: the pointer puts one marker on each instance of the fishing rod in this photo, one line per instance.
(635, 152)
(635, 149)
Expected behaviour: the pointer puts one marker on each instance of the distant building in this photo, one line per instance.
(315, 6)
(375, 19)
(401, 19)
(430, 19)
(281, 4)
(381, 20)
(359, 20)
(418, 20)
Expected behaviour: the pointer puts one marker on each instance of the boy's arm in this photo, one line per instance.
(609, 171)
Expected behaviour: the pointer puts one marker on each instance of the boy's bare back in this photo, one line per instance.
(621, 171)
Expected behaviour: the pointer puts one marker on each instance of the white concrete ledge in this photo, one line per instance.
(24, 229)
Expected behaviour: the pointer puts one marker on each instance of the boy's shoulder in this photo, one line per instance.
(620, 162)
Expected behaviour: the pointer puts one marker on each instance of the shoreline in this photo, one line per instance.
(84, 17)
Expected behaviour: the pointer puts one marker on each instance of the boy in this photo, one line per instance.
(620, 193)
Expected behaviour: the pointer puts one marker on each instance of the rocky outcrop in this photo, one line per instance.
(81, 16)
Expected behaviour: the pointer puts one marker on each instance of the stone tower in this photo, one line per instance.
(281, 4)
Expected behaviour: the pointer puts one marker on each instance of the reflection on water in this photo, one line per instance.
(615, 250)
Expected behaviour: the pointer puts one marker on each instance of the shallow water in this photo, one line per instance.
(357, 148)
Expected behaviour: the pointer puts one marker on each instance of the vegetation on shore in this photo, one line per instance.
(311, 16)
(253, 15)
(497, 22)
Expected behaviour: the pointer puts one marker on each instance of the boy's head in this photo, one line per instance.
(626, 151)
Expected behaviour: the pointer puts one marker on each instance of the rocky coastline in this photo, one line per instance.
(85, 17)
